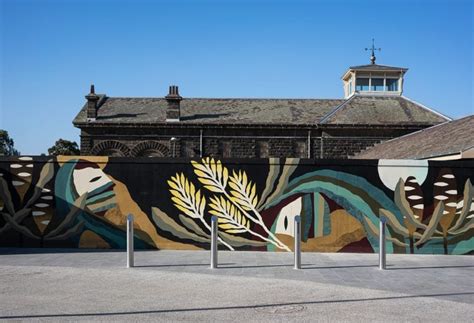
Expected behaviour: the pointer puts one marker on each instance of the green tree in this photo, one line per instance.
(64, 147)
(7, 145)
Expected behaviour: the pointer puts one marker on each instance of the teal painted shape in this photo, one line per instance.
(462, 247)
(306, 216)
(326, 219)
(353, 203)
(65, 197)
(318, 202)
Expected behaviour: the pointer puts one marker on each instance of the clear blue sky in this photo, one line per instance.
(52, 50)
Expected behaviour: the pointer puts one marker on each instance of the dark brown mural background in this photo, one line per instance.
(82, 202)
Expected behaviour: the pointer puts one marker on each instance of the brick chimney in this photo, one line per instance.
(92, 99)
(173, 110)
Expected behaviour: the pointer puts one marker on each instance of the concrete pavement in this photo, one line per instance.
(248, 286)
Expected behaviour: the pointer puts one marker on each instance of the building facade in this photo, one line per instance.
(373, 110)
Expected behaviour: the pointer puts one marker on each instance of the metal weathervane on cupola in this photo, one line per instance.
(373, 49)
(373, 79)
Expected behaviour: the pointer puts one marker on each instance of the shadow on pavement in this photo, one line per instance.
(432, 267)
(181, 265)
(223, 308)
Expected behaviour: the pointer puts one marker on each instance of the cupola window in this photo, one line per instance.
(377, 84)
(362, 84)
(392, 84)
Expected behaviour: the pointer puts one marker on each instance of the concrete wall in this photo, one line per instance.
(83, 202)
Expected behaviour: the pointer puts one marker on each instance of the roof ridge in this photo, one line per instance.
(336, 109)
(227, 98)
(427, 108)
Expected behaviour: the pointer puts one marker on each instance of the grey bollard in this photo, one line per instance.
(214, 242)
(297, 249)
(382, 251)
(130, 259)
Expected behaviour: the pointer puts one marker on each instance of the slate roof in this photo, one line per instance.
(444, 139)
(215, 111)
(382, 110)
(364, 110)
(376, 67)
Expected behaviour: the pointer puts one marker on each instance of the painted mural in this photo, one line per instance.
(83, 202)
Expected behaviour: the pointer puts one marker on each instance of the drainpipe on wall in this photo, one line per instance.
(321, 154)
(200, 143)
(309, 143)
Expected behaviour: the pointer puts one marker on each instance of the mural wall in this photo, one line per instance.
(82, 202)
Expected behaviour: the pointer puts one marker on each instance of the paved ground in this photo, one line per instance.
(249, 286)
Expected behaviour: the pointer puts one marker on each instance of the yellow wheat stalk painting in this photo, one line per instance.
(242, 195)
(190, 201)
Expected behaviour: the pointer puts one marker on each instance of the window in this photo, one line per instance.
(226, 149)
(362, 84)
(263, 149)
(392, 84)
(350, 87)
(300, 149)
(377, 85)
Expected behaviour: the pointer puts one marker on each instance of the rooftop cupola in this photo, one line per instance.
(373, 79)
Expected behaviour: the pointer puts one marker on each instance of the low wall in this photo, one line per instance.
(82, 202)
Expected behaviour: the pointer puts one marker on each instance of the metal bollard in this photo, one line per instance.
(382, 251)
(130, 248)
(297, 249)
(214, 242)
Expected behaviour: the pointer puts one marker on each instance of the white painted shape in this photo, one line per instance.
(15, 166)
(415, 197)
(451, 204)
(452, 192)
(17, 183)
(41, 205)
(409, 188)
(418, 206)
(448, 176)
(289, 212)
(391, 170)
(25, 158)
(47, 197)
(82, 179)
(440, 197)
(46, 222)
(45, 190)
(29, 165)
(440, 184)
(38, 213)
(23, 174)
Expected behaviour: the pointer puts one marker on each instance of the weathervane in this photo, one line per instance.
(373, 49)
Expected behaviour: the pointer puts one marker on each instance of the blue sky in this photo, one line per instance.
(51, 51)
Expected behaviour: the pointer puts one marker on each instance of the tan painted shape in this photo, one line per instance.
(345, 229)
(101, 161)
(126, 205)
(91, 240)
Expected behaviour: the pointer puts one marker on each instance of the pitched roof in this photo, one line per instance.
(444, 139)
(376, 67)
(214, 111)
(382, 110)
(357, 110)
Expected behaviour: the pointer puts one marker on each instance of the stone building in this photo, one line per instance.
(373, 110)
